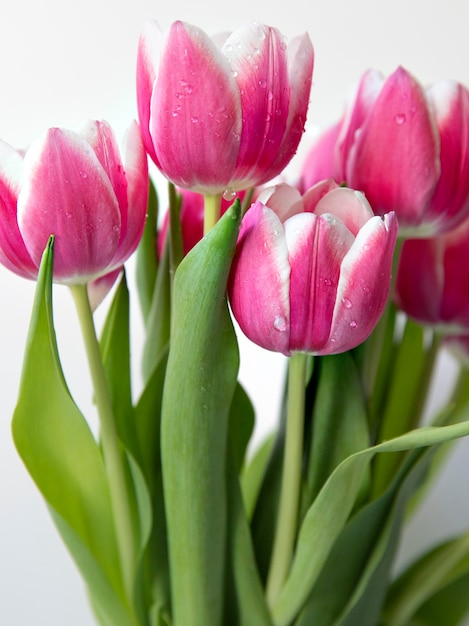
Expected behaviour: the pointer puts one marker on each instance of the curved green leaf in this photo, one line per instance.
(57, 446)
(329, 513)
(200, 382)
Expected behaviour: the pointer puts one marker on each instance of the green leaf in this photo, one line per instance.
(329, 513)
(339, 423)
(158, 320)
(200, 382)
(246, 604)
(108, 607)
(115, 350)
(148, 423)
(58, 448)
(355, 575)
(430, 574)
(448, 607)
(147, 260)
(241, 425)
(254, 472)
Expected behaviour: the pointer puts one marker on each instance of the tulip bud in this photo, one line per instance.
(222, 117)
(311, 273)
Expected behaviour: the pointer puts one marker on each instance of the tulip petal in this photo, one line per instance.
(13, 253)
(394, 159)
(257, 57)
(320, 162)
(81, 211)
(136, 171)
(316, 247)
(259, 280)
(284, 199)
(196, 109)
(149, 49)
(420, 279)
(363, 285)
(356, 113)
(450, 202)
(300, 67)
(348, 205)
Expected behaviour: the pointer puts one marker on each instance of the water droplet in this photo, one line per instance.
(400, 119)
(83, 174)
(68, 214)
(174, 113)
(347, 303)
(234, 73)
(229, 194)
(116, 228)
(280, 323)
(268, 117)
(353, 324)
(262, 83)
(270, 95)
(328, 282)
(186, 86)
(366, 246)
(194, 119)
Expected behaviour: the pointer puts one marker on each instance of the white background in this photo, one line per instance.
(64, 61)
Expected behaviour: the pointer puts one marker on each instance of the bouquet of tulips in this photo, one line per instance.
(356, 271)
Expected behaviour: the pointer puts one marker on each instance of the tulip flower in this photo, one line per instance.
(73, 186)
(222, 117)
(432, 284)
(311, 273)
(405, 147)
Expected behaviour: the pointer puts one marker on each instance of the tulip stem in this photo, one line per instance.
(287, 518)
(113, 457)
(212, 209)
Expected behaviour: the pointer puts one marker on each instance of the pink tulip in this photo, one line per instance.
(432, 283)
(406, 148)
(222, 115)
(312, 273)
(73, 186)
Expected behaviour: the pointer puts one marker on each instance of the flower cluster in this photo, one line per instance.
(357, 275)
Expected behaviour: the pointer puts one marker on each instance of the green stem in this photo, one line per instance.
(287, 519)
(212, 209)
(113, 457)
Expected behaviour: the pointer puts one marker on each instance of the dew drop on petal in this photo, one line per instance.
(353, 324)
(262, 83)
(83, 174)
(400, 119)
(328, 282)
(347, 303)
(280, 323)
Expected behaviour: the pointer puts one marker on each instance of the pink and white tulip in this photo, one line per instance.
(311, 273)
(405, 147)
(76, 187)
(218, 115)
(432, 283)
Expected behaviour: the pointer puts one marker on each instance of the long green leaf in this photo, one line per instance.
(147, 260)
(199, 385)
(339, 424)
(57, 446)
(329, 513)
(427, 576)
